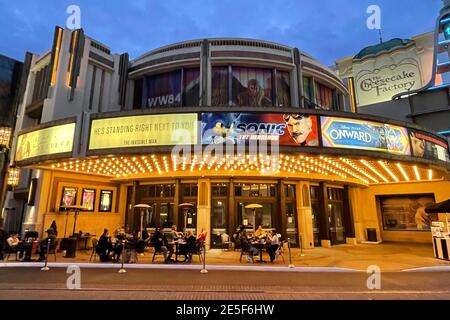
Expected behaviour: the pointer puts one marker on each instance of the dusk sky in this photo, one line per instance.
(326, 29)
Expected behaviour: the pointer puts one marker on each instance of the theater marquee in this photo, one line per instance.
(142, 131)
(363, 134)
(48, 141)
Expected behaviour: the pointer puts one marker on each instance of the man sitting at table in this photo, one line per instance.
(247, 247)
(273, 244)
(104, 246)
(47, 243)
(15, 244)
(161, 244)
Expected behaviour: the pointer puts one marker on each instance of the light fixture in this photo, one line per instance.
(385, 167)
(13, 176)
(399, 166)
(430, 174)
(416, 171)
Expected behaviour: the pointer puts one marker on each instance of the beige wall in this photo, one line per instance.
(367, 214)
(92, 222)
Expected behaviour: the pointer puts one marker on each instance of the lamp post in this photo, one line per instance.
(142, 208)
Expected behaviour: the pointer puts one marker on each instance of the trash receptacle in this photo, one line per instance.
(372, 234)
(70, 246)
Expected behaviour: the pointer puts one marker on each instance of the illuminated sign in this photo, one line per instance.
(237, 128)
(53, 140)
(362, 134)
(428, 146)
(143, 131)
(378, 79)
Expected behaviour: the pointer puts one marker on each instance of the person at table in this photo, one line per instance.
(14, 243)
(273, 244)
(202, 235)
(104, 246)
(161, 244)
(119, 236)
(260, 233)
(176, 235)
(248, 247)
(27, 244)
(47, 244)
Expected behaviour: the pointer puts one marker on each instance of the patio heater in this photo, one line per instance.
(253, 206)
(142, 208)
(185, 206)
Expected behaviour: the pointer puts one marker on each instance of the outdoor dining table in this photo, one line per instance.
(260, 246)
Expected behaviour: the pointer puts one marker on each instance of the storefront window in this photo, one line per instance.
(252, 219)
(220, 190)
(307, 93)
(407, 212)
(191, 85)
(283, 89)
(255, 190)
(252, 87)
(190, 190)
(219, 86)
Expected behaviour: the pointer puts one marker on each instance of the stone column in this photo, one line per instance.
(204, 208)
(304, 215)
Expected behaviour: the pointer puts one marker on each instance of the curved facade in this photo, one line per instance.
(218, 123)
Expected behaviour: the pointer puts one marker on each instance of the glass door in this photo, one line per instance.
(335, 213)
(252, 219)
(291, 225)
(218, 222)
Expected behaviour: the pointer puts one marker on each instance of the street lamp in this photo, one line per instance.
(142, 208)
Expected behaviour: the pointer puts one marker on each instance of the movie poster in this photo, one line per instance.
(407, 212)
(428, 146)
(69, 196)
(105, 200)
(238, 128)
(363, 134)
(88, 199)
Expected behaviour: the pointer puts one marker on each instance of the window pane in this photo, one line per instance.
(324, 97)
(283, 89)
(191, 87)
(252, 87)
(163, 89)
(219, 86)
(263, 190)
(245, 190)
(138, 91)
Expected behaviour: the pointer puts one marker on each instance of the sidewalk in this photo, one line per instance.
(388, 256)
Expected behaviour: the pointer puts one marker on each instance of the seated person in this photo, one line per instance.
(104, 246)
(247, 247)
(191, 245)
(161, 244)
(202, 235)
(15, 244)
(47, 243)
(273, 244)
(260, 233)
(176, 235)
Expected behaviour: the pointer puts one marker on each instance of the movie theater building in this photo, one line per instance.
(99, 131)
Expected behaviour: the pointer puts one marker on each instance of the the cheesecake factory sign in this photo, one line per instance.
(382, 83)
